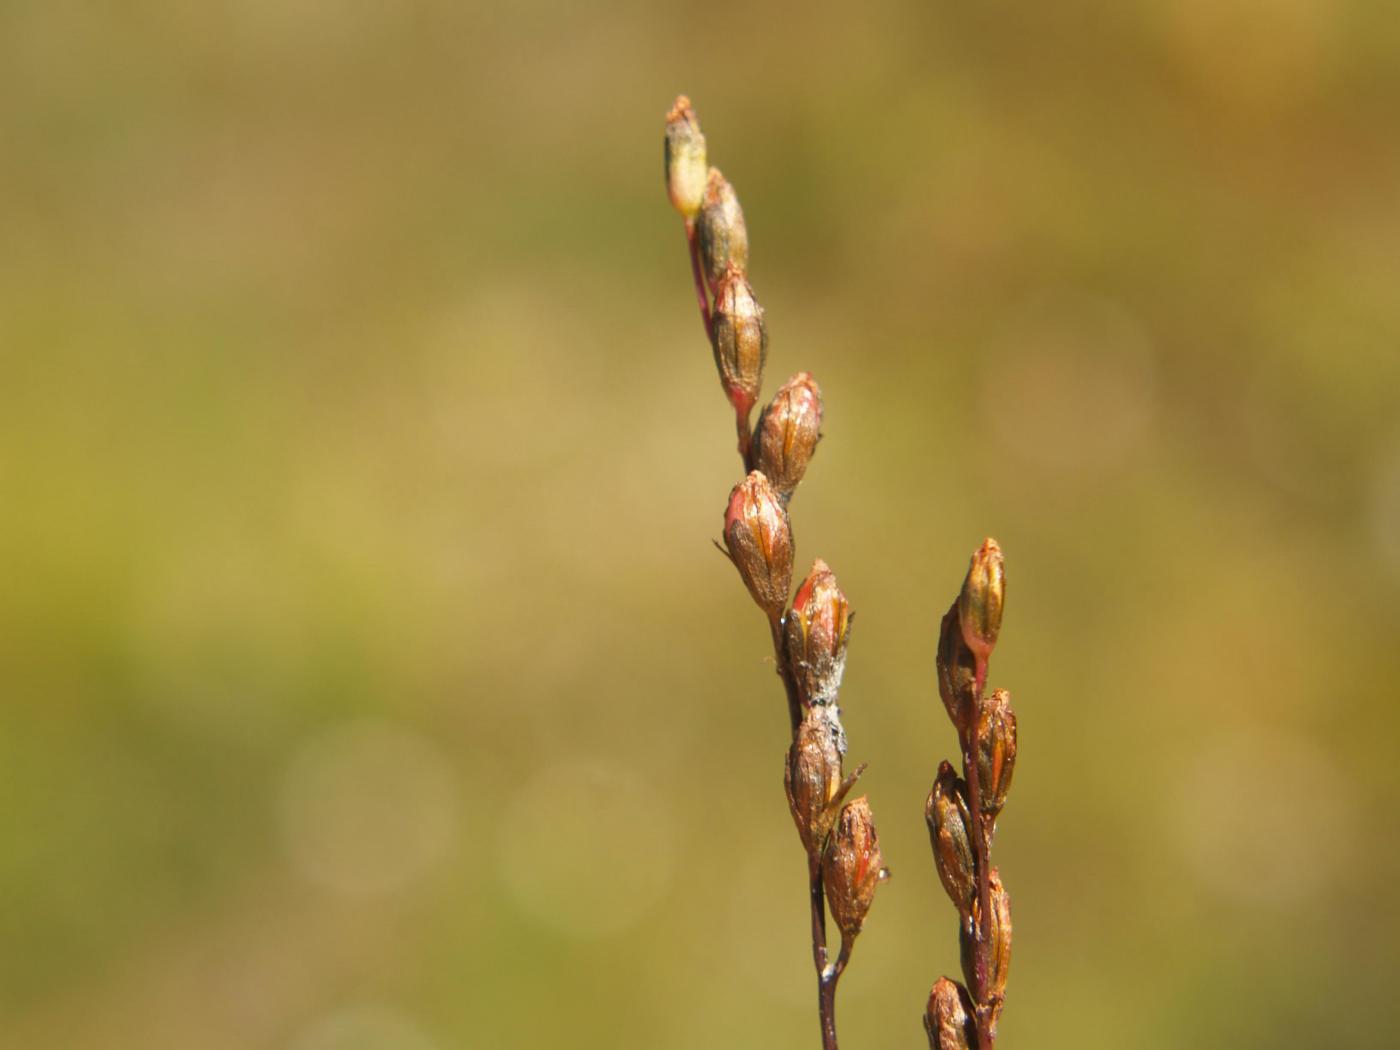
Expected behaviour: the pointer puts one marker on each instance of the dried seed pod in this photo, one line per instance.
(788, 431)
(950, 833)
(817, 630)
(724, 239)
(999, 952)
(957, 672)
(996, 751)
(852, 867)
(758, 541)
(950, 1020)
(981, 600)
(685, 159)
(740, 341)
(812, 777)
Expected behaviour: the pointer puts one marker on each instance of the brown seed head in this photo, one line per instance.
(950, 833)
(812, 777)
(996, 751)
(788, 431)
(724, 239)
(758, 539)
(949, 1020)
(852, 867)
(983, 595)
(957, 672)
(817, 630)
(685, 159)
(740, 340)
(999, 956)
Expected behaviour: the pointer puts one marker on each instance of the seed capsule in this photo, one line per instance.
(758, 541)
(852, 867)
(788, 431)
(996, 751)
(957, 672)
(685, 159)
(983, 595)
(740, 341)
(950, 833)
(724, 239)
(999, 954)
(812, 777)
(949, 1019)
(817, 630)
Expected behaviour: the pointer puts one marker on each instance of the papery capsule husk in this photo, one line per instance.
(816, 633)
(982, 598)
(758, 540)
(740, 340)
(999, 955)
(788, 431)
(686, 168)
(950, 1018)
(852, 867)
(996, 751)
(812, 777)
(724, 239)
(957, 672)
(950, 833)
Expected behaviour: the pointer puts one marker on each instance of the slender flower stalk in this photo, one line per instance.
(809, 635)
(962, 811)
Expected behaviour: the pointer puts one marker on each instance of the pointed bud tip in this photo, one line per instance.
(680, 110)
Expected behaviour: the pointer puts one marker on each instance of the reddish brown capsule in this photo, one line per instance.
(817, 630)
(685, 159)
(759, 542)
(999, 954)
(740, 341)
(957, 672)
(950, 833)
(996, 751)
(949, 1019)
(982, 598)
(852, 867)
(788, 431)
(724, 239)
(812, 777)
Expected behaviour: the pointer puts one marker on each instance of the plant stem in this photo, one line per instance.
(700, 294)
(794, 699)
(981, 842)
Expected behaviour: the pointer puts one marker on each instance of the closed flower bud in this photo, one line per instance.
(724, 239)
(981, 600)
(817, 630)
(950, 1020)
(957, 672)
(758, 541)
(996, 751)
(852, 867)
(812, 777)
(788, 431)
(685, 159)
(999, 952)
(740, 341)
(950, 833)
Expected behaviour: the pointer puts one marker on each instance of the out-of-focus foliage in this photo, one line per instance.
(369, 677)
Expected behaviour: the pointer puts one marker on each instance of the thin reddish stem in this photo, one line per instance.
(981, 842)
(701, 296)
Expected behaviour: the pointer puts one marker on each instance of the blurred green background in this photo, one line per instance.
(370, 680)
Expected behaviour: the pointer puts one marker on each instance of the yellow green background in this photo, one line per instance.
(369, 679)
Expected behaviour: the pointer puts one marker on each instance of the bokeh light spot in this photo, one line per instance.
(367, 808)
(1261, 817)
(586, 848)
(363, 1027)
